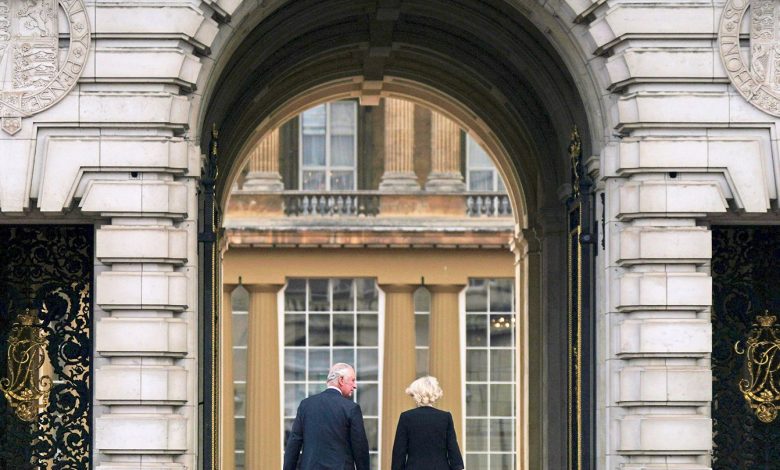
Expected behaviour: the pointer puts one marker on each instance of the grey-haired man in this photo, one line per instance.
(329, 428)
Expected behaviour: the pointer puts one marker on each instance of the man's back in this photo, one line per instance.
(330, 429)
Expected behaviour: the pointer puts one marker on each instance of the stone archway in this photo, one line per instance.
(493, 72)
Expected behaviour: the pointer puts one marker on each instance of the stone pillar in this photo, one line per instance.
(263, 165)
(399, 172)
(445, 350)
(263, 403)
(227, 422)
(399, 364)
(445, 173)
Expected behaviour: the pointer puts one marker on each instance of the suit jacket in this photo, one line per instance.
(425, 440)
(330, 429)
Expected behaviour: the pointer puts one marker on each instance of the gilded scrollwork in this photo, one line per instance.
(762, 365)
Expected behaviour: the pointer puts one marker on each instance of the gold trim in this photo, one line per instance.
(762, 364)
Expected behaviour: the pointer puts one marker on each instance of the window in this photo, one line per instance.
(329, 147)
(481, 174)
(422, 315)
(239, 299)
(328, 321)
(490, 373)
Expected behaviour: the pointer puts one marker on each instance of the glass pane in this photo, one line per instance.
(478, 158)
(295, 329)
(294, 364)
(346, 356)
(367, 364)
(476, 434)
(501, 295)
(480, 180)
(476, 365)
(313, 150)
(501, 461)
(501, 365)
(422, 300)
(342, 180)
(501, 400)
(319, 329)
(367, 329)
(500, 186)
(372, 432)
(316, 388)
(313, 180)
(342, 295)
(319, 363)
(313, 118)
(239, 399)
(501, 330)
(368, 399)
(295, 295)
(240, 321)
(374, 461)
(342, 117)
(476, 296)
(240, 428)
(421, 329)
(367, 296)
(422, 362)
(239, 364)
(343, 330)
(293, 394)
(476, 400)
(477, 462)
(239, 299)
(342, 150)
(318, 295)
(476, 330)
(501, 435)
(287, 429)
(240, 460)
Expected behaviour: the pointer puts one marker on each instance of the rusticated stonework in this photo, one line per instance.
(757, 79)
(34, 73)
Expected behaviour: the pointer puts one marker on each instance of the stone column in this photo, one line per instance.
(263, 403)
(399, 361)
(445, 350)
(227, 422)
(263, 165)
(445, 173)
(399, 172)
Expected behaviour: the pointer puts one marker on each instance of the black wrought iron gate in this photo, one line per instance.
(45, 347)
(746, 348)
(581, 248)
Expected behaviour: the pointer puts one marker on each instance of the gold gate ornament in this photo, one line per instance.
(760, 388)
(26, 390)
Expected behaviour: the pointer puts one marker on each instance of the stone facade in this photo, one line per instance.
(675, 147)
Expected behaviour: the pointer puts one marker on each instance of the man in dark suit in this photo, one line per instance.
(329, 427)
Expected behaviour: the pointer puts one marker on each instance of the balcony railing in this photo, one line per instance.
(348, 203)
(488, 205)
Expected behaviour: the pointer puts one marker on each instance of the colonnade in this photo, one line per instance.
(264, 402)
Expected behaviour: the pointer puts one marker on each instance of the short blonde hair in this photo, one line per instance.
(425, 390)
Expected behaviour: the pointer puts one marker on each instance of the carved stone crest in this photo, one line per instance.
(755, 75)
(35, 73)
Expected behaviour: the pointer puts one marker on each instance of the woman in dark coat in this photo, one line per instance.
(425, 437)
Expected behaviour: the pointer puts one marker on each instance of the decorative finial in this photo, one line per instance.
(766, 320)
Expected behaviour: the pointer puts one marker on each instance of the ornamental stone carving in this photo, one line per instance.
(756, 75)
(35, 73)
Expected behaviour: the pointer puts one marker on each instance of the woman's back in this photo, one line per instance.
(425, 440)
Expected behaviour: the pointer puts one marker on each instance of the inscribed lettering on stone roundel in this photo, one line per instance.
(756, 74)
(35, 73)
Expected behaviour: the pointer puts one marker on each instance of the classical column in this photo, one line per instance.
(445, 350)
(445, 173)
(263, 403)
(263, 165)
(399, 364)
(399, 172)
(227, 422)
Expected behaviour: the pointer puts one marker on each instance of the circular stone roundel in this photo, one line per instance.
(34, 73)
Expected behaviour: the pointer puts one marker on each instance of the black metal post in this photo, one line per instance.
(207, 238)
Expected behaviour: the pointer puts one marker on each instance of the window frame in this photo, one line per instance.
(329, 168)
(497, 184)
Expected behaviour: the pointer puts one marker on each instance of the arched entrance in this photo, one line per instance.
(487, 67)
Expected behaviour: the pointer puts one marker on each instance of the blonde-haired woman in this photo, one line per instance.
(425, 437)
